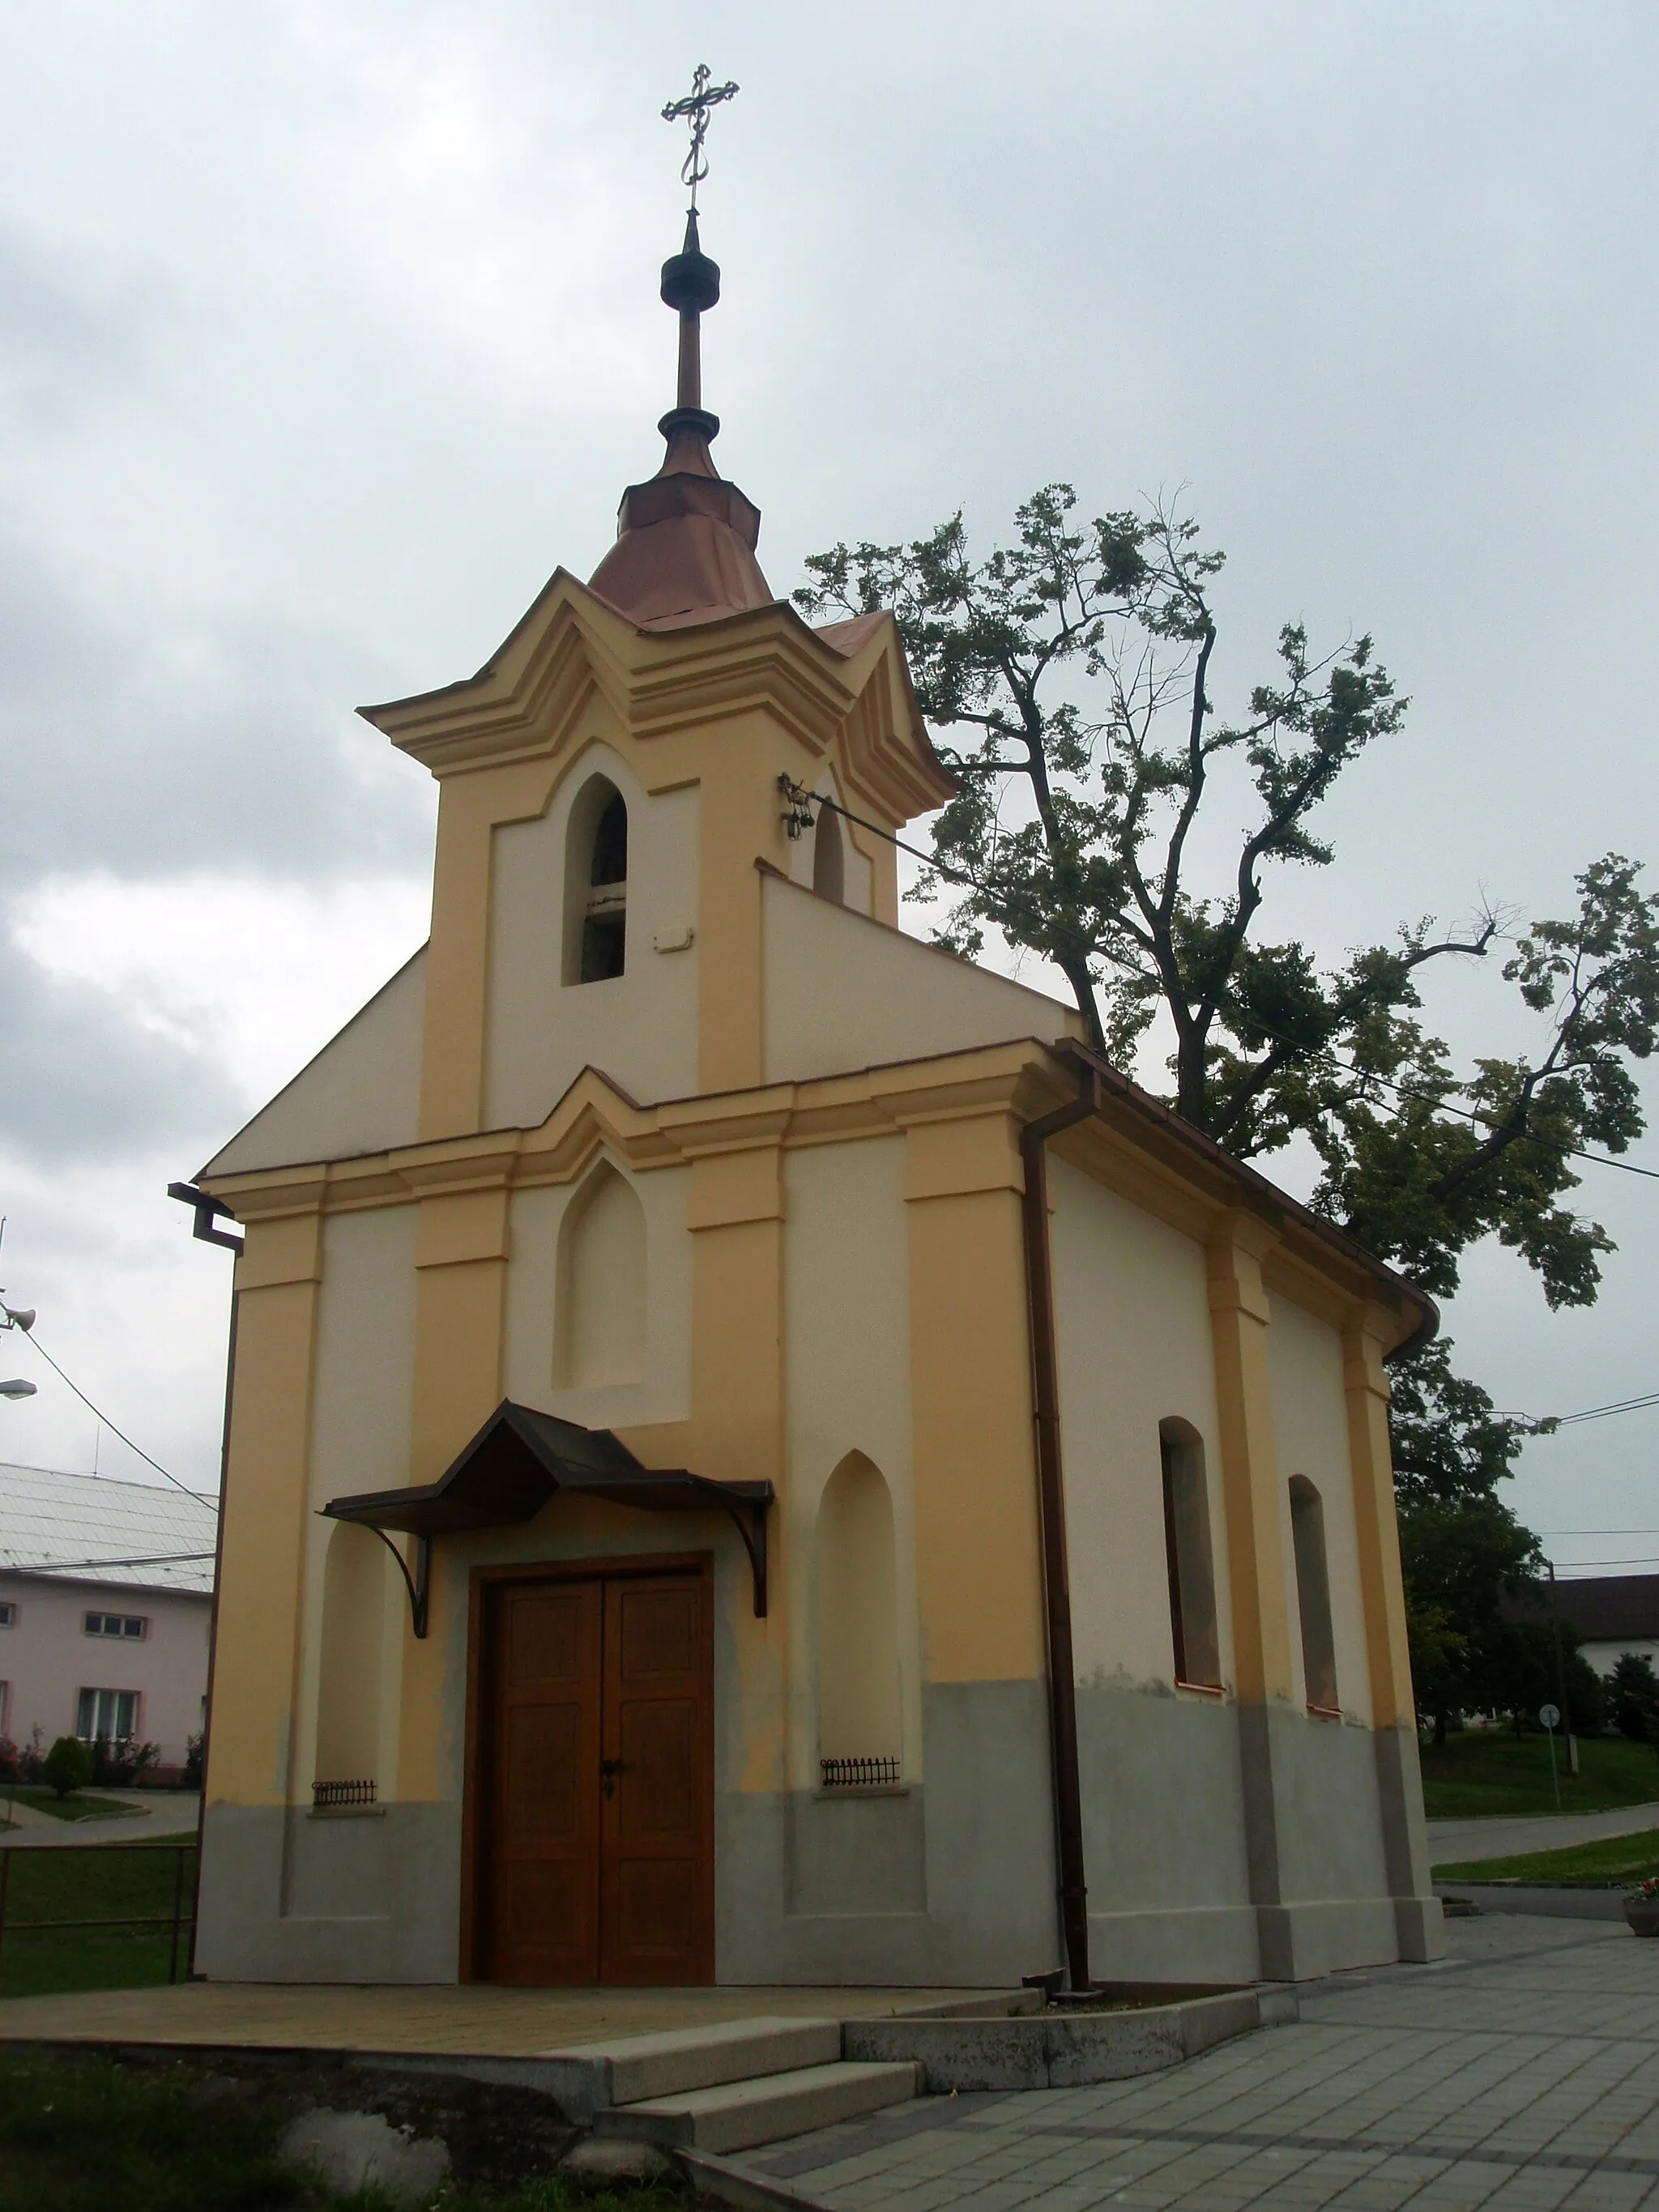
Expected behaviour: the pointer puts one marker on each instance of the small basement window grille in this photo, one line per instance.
(858, 1773)
(326, 1793)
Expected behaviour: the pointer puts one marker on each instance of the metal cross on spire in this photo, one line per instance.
(697, 108)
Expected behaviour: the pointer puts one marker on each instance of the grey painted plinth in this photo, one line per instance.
(286, 1897)
(1064, 2051)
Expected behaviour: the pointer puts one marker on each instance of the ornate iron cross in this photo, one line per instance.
(697, 108)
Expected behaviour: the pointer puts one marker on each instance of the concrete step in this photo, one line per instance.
(742, 2115)
(591, 2077)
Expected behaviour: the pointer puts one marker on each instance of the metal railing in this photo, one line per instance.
(858, 1773)
(325, 1796)
(179, 1921)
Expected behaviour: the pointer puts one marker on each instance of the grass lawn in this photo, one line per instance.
(1621, 1860)
(72, 1808)
(89, 2134)
(1491, 1771)
(103, 1882)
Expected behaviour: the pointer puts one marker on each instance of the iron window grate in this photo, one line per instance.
(325, 1793)
(859, 1773)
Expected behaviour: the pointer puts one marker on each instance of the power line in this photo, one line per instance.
(67, 1566)
(102, 1416)
(954, 875)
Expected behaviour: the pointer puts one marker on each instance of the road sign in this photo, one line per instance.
(1549, 1716)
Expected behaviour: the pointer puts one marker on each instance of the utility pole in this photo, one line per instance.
(1561, 1676)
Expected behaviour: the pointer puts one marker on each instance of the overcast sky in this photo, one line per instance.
(327, 331)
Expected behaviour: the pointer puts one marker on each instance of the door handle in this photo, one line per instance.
(609, 1770)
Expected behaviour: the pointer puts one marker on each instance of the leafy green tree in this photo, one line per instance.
(1635, 1698)
(1073, 675)
(66, 1766)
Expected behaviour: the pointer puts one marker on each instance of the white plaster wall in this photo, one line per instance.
(847, 1311)
(1311, 1438)
(46, 1659)
(843, 991)
(664, 1392)
(1604, 1656)
(361, 1094)
(361, 1399)
(857, 883)
(1133, 1325)
(639, 1027)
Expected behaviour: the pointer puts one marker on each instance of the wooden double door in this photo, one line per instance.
(598, 1798)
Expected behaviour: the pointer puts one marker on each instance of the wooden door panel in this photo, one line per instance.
(599, 1804)
(656, 1822)
(543, 1908)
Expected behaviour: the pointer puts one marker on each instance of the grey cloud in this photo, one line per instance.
(66, 339)
(152, 746)
(83, 1080)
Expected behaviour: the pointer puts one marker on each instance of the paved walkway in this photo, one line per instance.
(1522, 2073)
(475, 2017)
(1454, 1843)
(166, 1817)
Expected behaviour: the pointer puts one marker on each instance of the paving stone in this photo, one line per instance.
(1523, 2076)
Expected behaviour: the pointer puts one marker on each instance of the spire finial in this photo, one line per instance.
(697, 108)
(691, 282)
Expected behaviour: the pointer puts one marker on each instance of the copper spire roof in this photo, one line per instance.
(685, 541)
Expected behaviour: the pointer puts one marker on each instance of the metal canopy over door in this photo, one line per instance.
(598, 1801)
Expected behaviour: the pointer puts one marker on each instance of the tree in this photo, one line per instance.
(1073, 673)
(66, 1766)
(1073, 676)
(1636, 1697)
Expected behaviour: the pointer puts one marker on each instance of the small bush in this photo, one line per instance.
(67, 1766)
(120, 1763)
(191, 1776)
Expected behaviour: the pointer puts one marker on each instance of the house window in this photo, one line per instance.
(127, 1626)
(1313, 1595)
(1188, 1552)
(111, 1713)
(596, 883)
(8, 1614)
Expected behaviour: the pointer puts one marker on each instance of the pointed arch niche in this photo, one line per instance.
(599, 1315)
(859, 1707)
(596, 883)
(829, 858)
(351, 1656)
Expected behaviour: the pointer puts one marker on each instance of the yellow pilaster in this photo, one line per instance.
(1382, 1592)
(1249, 1472)
(266, 1494)
(975, 1473)
(735, 1212)
(740, 818)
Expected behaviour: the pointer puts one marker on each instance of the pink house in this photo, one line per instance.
(105, 1590)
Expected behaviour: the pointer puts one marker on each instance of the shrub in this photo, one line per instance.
(192, 1774)
(118, 1762)
(67, 1765)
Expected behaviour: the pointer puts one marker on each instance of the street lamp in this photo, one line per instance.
(16, 1389)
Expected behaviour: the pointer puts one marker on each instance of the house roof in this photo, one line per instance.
(90, 1528)
(1605, 1608)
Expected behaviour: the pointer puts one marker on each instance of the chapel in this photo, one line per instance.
(753, 1456)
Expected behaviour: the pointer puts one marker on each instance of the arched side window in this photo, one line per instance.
(858, 1617)
(349, 1672)
(596, 883)
(1191, 1562)
(599, 1318)
(829, 858)
(1313, 1595)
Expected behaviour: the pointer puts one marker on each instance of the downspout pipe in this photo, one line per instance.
(205, 1210)
(1051, 1516)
